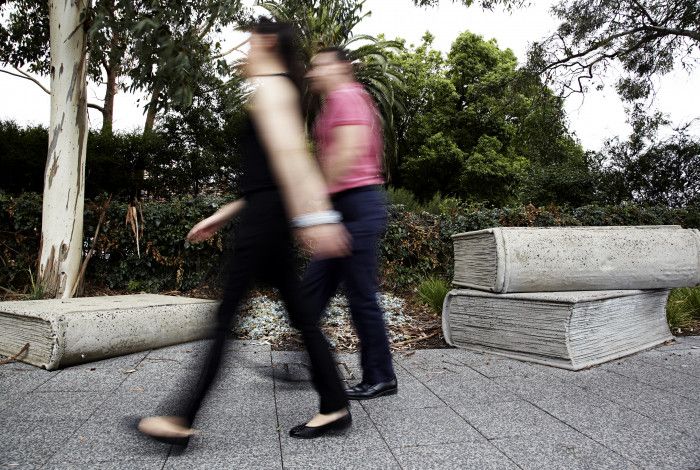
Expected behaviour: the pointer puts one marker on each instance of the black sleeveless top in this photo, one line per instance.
(256, 175)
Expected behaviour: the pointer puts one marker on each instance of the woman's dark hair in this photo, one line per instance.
(287, 46)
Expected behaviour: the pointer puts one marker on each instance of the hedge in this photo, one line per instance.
(417, 245)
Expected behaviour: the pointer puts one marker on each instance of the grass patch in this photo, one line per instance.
(683, 307)
(432, 291)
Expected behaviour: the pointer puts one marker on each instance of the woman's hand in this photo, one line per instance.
(209, 226)
(205, 229)
(326, 241)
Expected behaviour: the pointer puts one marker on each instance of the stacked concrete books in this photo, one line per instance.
(570, 297)
(65, 332)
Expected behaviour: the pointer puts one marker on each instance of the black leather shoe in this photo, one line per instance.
(306, 432)
(363, 391)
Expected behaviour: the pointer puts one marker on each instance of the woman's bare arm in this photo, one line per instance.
(275, 111)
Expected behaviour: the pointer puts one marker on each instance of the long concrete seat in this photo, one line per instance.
(65, 332)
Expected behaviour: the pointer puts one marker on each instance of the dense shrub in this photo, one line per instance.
(162, 163)
(417, 245)
(163, 261)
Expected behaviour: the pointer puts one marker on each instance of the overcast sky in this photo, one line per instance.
(593, 117)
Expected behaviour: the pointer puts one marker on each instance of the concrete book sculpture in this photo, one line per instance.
(572, 330)
(567, 296)
(518, 259)
(64, 332)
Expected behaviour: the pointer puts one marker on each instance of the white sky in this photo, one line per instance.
(593, 117)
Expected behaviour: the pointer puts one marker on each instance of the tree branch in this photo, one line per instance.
(596, 45)
(677, 32)
(26, 76)
(96, 106)
(233, 49)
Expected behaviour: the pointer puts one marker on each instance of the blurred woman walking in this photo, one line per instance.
(283, 196)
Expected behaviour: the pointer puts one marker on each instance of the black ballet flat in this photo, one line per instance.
(303, 431)
(181, 442)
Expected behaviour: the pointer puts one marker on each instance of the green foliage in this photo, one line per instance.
(20, 233)
(22, 157)
(686, 299)
(479, 129)
(648, 169)
(416, 246)
(404, 198)
(36, 291)
(683, 307)
(195, 151)
(166, 261)
(432, 291)
(438, 205)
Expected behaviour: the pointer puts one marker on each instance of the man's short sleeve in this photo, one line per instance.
(350, 108)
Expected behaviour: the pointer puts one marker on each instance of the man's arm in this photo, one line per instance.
(349, 142)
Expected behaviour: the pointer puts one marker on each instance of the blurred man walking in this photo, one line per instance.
(349, 144)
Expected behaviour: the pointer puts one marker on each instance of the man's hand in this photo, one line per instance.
(326, 241)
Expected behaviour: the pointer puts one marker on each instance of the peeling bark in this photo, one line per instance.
(64, 180)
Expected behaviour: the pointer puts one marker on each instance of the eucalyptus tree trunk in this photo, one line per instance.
(64, 177)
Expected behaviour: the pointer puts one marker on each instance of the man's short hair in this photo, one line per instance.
(341, 54)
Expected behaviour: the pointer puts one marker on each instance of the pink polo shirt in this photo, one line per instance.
(346, 106)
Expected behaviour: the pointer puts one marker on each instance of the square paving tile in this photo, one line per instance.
(507, 419)
(216, 453)
(128, 361)
(570, 451)
(461, 455)
(372, 455)
(673, 381)
(685, 361)
(126, 464)
(467, 389)
(664, 407)
(79, 379)
(21, 378)
(94, 442)
(59, 405)
(427, 426)
(28, 442)
(627, 433)
(509, 367)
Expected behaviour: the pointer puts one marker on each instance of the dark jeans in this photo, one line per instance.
(365, 217)
(263, 251)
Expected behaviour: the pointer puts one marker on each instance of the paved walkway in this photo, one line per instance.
(455, 409)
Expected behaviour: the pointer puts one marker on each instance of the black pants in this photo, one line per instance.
(264, 251)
